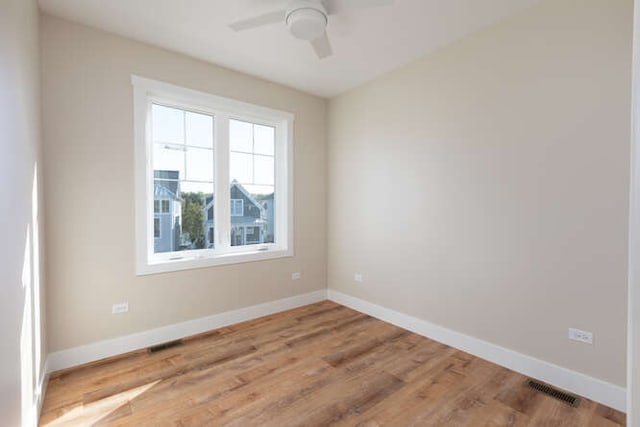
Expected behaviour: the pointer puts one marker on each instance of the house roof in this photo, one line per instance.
(166, 184)
(246, 193)
(209, 199)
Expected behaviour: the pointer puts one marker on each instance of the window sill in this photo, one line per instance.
(193, 262)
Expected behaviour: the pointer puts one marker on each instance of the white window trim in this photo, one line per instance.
(145, 91)
(241, 207)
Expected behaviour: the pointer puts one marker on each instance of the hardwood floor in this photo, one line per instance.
(317, 365)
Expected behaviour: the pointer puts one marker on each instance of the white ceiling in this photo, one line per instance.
(366, 43)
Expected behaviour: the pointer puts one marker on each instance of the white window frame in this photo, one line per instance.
(146, 92)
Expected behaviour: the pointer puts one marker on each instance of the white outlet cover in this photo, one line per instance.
(357, 277)
(581, 336)
(296, 276)
(120, 308)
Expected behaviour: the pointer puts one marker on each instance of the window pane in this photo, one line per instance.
(267, 199)
(264, 170)
(168, 158)
(199, 129)
(259, 190)
(167, 124)
(193, 220)
(264, 139)
(209, 223)
(248, 229)
(199, 164)
(252, 181)
(183, 180)
(196, 187)
(240, 136)
(241, 167)
(237, 207)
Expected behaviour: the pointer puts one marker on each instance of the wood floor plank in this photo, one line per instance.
(318, 365)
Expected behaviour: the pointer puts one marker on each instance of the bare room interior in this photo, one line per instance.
(319, 212)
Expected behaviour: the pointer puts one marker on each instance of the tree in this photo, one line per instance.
(193, 218)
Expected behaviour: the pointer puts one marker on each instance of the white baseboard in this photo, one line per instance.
(91, 352)
(606, 393)
(600, 391)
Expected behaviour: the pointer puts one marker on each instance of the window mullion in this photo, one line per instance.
(222, 207)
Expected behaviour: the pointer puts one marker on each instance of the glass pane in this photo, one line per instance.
(256, 225)
(199, 164)
(240, 136)
(241, 167)
(264, 170)
(183, 180)
(259, 190)
(264, 139)
(208, 221)
(168, 158)
(268, 204)
(196, 187)
(252, 166)
(199, 130)
(167, 124)
(237, 207)
(193, 220)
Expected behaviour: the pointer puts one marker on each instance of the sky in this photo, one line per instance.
(184, 141)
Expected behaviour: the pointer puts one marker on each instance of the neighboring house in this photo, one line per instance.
(267, 203)
(248, 223)
(167, 208)
(209, 225)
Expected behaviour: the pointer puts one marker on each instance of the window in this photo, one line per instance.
(237, 207)
(221, 168)
(158, 204)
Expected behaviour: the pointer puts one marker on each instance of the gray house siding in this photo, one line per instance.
(248, 228)
(167, 210)
(269, 232)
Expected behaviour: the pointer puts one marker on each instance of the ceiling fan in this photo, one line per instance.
(307, 19)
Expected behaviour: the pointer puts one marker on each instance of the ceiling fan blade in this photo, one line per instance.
(322, 46)
(337, 6)
(258, 21)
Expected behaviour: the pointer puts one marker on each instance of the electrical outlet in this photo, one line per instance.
(357, 277)
(296, 276)
(581, 336)
(120, 308)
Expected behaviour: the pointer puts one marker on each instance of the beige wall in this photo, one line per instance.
(21, 334)
(88, 137)
(485, 188)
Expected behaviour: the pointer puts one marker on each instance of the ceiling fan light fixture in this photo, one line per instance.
(306, 23)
